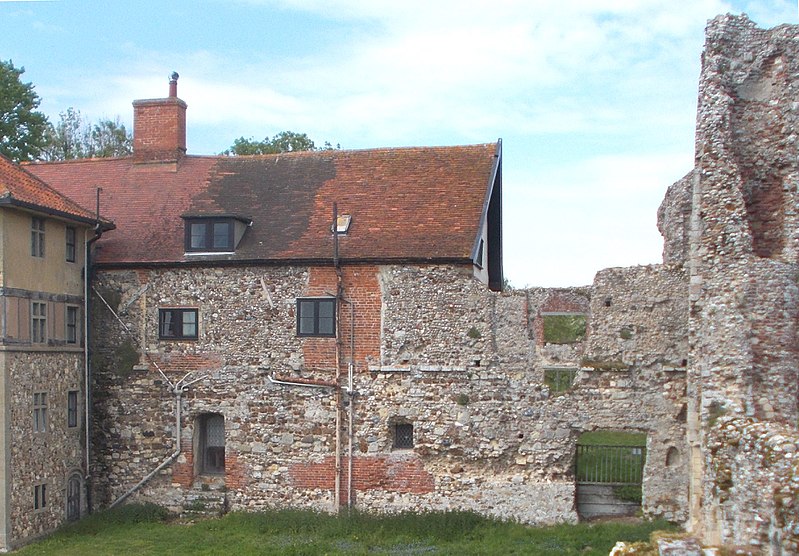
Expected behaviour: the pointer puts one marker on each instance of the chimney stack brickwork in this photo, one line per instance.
(159, 128)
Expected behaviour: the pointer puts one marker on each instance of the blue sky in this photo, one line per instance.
(595, 100)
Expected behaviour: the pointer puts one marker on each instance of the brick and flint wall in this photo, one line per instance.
(432, 348)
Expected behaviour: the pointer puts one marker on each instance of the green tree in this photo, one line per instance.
(72, 138)
(283, 142)
(110, 138)
(22, 126)
(67, 139)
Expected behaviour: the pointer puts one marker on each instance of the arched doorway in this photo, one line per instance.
(74, 488)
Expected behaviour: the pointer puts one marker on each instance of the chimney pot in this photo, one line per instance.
(173, 84)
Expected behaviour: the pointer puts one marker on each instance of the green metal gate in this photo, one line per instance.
(609, 479)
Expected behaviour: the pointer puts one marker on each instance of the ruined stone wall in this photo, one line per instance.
(744, 249)
(463, 365)
(743, 245)
(755, 470)
(49, 457)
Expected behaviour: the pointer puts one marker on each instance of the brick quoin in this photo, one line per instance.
(235, 473)
(183, 473)
(404, 474)
(362, 288)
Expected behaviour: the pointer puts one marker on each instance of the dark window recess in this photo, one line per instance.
(209, 235)
(37, 237)
(72, 408)
(70, 244)
(177, 324)
(403, 436)
(39, 496)
(316, 316)
(72, 325)
(73, 498)
(212, 443)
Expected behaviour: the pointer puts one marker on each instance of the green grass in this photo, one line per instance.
(296, 532)
(612, 438)
(564, 329)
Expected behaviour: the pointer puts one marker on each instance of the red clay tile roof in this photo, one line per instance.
(18, 187)
(421, 203)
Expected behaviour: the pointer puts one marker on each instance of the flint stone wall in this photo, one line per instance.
(464, 365)
(49, 457)
(744, 228)
(755, 466)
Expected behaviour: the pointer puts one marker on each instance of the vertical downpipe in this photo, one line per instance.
(87, 377)
(337, 495)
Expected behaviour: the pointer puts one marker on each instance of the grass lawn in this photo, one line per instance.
(142, 530)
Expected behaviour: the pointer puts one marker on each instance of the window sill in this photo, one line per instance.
(207, 253)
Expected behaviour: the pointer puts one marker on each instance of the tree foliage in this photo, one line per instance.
(22, 126)
(71, 138)
(283, 142)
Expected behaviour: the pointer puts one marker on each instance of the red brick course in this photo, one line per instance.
(397, 473)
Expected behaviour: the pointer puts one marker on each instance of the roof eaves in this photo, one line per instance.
(284, 262)
(9, 200)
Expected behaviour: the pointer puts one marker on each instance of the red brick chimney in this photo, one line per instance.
(159, 127)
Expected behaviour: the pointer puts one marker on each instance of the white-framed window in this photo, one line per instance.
(37, 236)
(72, 324)
(38, 322)
(40, 412)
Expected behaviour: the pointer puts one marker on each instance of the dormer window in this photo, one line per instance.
(209, 235)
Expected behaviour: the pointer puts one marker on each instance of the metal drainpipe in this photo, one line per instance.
(337, 496)
(337, 479)
(87, 274)
(351, 394)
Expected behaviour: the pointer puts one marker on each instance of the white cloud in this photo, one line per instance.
(595, 100)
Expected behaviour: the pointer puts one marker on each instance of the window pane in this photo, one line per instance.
(198, 236)
(221, 235)
(307, 316)
(166, 324)
(327, 317)
(403, 436)
(307, 309)
(215, 429)
(326, 309)
(189, 323)
(326, 326)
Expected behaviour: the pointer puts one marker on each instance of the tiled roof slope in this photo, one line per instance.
(19, 187)
(406, 203)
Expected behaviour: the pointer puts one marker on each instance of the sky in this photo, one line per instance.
(594, 100)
